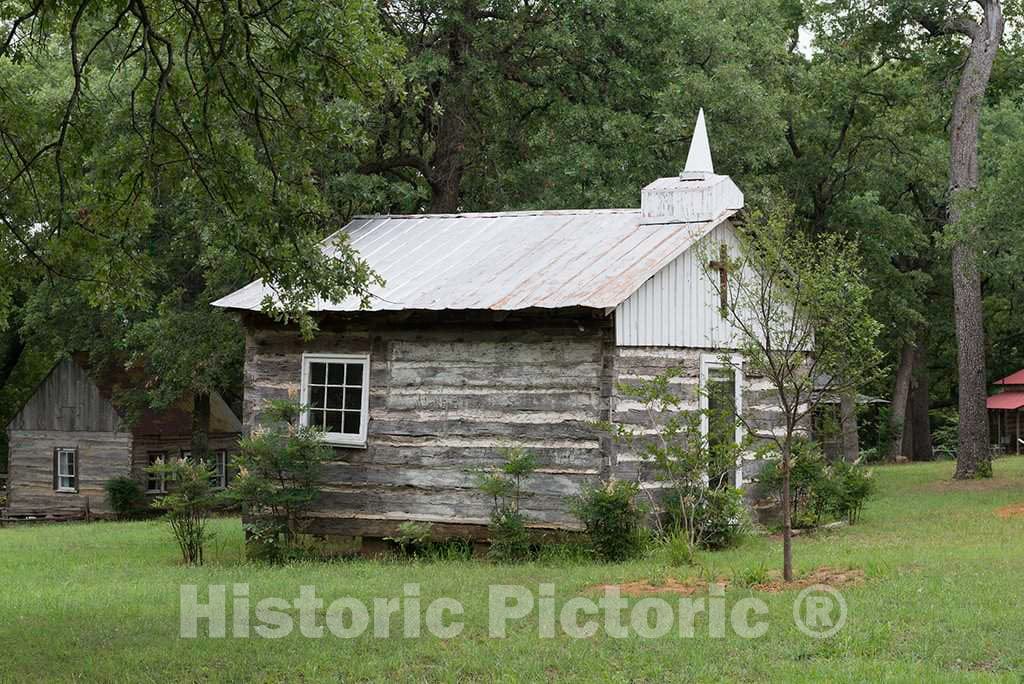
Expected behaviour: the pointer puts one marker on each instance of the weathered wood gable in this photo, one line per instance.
(68, 400)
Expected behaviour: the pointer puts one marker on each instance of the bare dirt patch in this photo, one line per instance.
(831, 577)
(669, 586)
(1011, 511)
(824, 575)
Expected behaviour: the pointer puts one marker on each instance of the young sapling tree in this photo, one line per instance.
(796, 310)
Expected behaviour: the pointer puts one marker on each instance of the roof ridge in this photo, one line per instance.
(502, 214)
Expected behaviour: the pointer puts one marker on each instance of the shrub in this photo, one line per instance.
(718, 517)
(510, 540)
(693, 466)
(188, 505)
(853, 485)
(263, 541)
(723, 518)
(806, 478)
(412, 537)
(125, 497)
(278, 477)
(821, 491)
(946, 432)
(612, 519)
(871, 455)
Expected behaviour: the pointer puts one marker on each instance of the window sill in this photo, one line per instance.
(65, 490)
(344, 443)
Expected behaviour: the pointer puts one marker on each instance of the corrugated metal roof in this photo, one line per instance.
(1006, 401)
(505, 261)
(1012, 379)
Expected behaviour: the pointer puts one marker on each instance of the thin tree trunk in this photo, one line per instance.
(920, 401)
(898, 408)
(787, 517)
(848, 425)
(973, 458)
(200, 425)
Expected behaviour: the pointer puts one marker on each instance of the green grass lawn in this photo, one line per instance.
(943, 601)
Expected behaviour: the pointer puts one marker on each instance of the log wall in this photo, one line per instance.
(447, 390)
(172, 446)
(635, 364)
(101, 456)
(445, 395)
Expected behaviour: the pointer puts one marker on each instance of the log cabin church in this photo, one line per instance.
(505, 328)
(71, 437)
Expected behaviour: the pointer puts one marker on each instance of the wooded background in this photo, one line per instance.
(158, 154)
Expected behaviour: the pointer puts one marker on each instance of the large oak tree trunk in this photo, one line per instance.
(973, 458)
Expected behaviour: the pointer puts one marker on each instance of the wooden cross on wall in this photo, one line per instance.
(721, 264)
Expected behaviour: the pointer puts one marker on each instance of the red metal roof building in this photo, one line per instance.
(1004, 411)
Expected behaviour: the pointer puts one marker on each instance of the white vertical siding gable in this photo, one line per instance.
(679, 305)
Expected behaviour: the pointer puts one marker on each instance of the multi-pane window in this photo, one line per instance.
(219, 463)
(155, 482)
(216, 461)
(720, 397)
(67, 471)
(334, 395)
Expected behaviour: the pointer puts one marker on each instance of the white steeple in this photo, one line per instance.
(696, 195)
(698, 161)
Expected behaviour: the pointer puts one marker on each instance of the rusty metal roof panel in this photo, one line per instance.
(504, 261)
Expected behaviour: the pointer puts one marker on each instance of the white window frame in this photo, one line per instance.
(67, 455)
(220, 466)
(161, 478)
(338, 438)
(735, 363)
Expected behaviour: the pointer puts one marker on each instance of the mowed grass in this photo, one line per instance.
(943, 601)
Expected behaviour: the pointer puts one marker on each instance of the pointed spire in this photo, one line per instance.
(698, 161)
